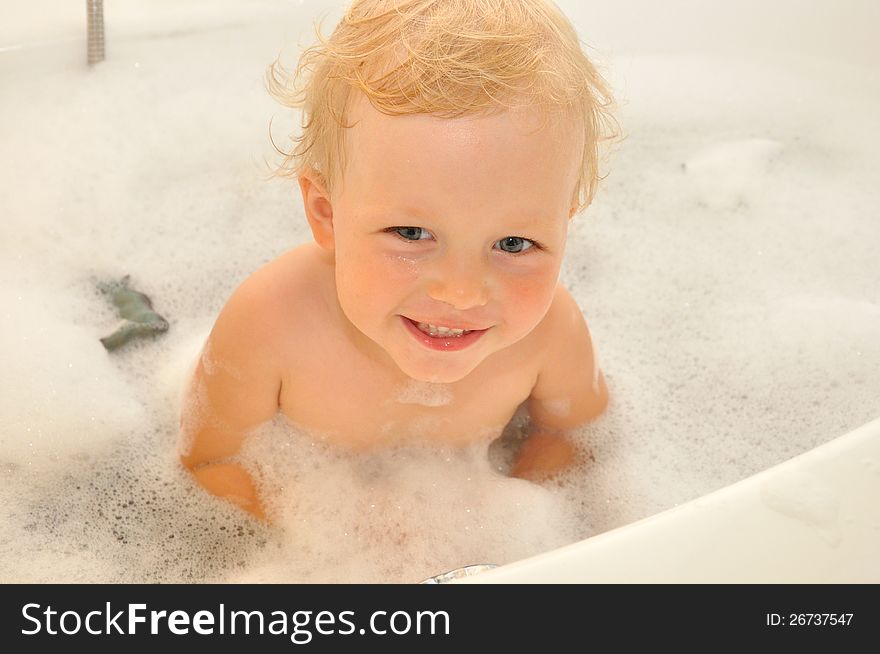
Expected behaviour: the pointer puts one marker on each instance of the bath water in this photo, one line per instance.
(728, 269)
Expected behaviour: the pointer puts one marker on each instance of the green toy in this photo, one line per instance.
(136, 311)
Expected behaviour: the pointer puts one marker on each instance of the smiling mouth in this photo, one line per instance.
(441, 337)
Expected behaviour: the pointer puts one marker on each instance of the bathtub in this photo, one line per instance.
(810, 516)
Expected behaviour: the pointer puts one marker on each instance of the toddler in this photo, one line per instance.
(445, 146)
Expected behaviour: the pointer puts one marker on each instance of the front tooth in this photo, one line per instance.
(440, 330)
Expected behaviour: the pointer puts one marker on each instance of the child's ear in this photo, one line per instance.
(319, 211)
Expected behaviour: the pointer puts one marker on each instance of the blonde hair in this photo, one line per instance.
(446, 58)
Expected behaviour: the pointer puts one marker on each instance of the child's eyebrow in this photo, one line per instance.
(522, 220)
(398, 214)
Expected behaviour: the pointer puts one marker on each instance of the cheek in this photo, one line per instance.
(370, 280)
(399, 270)
(527, 297)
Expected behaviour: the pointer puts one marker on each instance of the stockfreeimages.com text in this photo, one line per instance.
(301, 626)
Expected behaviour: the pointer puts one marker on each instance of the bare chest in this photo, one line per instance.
(350, 402)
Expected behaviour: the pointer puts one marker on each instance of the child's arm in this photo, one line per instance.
(569, 392)
(235, 388)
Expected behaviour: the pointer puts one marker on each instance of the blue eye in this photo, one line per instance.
(410, 233)
(515, 244)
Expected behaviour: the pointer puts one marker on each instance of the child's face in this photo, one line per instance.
(457, 223)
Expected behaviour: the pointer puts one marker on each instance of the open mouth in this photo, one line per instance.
(441, 337)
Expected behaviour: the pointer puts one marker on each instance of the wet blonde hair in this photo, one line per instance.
(446, 58)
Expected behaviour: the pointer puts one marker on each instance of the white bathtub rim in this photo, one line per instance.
(811, 519)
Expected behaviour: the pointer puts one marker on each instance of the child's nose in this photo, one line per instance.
(462, 285)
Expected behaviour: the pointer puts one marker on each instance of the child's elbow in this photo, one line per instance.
(593, 406)
(188, 461)
(191, 450)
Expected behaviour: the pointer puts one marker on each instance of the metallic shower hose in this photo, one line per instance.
(95, 10)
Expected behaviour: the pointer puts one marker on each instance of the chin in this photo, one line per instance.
(437, 373)
(437, 379)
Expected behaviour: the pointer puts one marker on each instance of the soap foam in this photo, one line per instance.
(403, 513)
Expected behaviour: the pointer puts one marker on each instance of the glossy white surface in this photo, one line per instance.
(812, 519)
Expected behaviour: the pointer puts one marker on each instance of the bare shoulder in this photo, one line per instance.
(237, 381)
(570, 388)
(272, 303)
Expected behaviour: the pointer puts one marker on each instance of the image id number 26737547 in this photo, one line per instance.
(808, 619)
